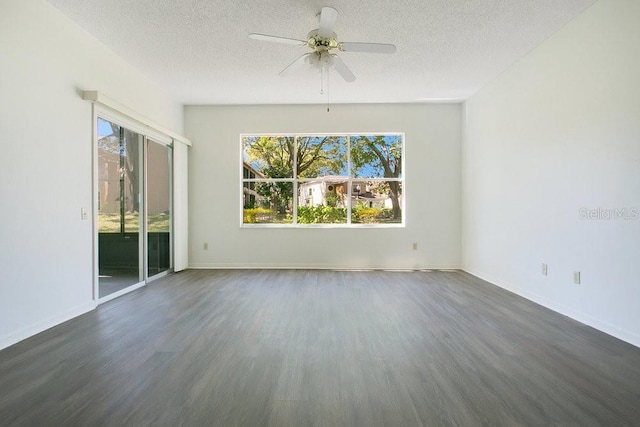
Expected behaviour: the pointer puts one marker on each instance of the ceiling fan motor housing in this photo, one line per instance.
(319, 43)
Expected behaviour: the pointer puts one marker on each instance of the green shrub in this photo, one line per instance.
(365, 215)
(321, 215)
(332, 199)
(256, 215)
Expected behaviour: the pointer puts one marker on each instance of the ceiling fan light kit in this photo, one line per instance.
(323, 43)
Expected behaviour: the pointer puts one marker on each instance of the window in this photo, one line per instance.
(341, 180)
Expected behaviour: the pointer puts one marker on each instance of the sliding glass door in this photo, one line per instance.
(158, 208)
(134, 208)
(120, 185)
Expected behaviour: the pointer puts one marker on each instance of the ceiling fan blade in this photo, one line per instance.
(342, 69)
(328, 18)
(276, 39)
(294, 65)
(366, 47)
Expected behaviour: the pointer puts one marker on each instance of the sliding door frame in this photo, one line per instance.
(149, 135)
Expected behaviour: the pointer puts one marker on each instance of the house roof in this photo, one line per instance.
(333, 179)
(252, 169)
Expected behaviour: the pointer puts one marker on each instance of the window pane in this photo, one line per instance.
(268, 156)
(320, 156)
(119, 154)
(118, 192)
(268, 202)
(378, 202)
(376, 156)
(323, 201)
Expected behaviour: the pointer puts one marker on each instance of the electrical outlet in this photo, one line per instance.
(576, 277)
(205, 246)
(415, 246)
(544, 269)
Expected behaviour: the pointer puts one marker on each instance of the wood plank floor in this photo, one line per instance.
(326, 348)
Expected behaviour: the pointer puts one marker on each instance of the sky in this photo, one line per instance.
(104, 128)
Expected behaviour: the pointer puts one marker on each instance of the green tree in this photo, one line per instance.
(273, 156)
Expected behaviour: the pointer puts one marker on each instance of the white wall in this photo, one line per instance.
(558, 132)
(432, 189)
(45, 166)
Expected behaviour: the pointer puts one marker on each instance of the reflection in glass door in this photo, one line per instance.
(119, 188)
(158, 208)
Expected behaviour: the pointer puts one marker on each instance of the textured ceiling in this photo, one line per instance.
(199, 50)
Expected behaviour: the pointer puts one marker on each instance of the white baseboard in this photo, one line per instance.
(607, 328)
(238, 266)
(15, 337)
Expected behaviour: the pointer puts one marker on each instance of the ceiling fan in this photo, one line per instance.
(323, 43)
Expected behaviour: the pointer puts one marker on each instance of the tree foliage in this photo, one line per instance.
(376, 156)
(273, 156)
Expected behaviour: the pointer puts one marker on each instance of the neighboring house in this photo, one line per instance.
(249, 188)
(378, 201)
(315, 193)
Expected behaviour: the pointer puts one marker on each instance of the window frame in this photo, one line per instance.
(296, 181)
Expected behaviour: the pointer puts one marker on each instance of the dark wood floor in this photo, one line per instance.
(322, 348)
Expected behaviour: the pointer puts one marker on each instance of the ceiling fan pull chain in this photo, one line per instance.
(321, 80)
(328, 78)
